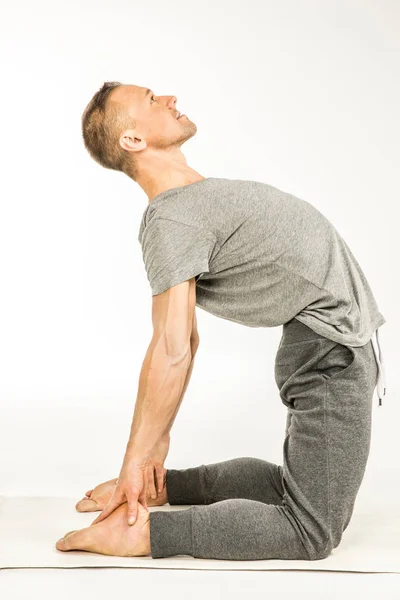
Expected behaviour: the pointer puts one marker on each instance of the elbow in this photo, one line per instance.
(181, 357)
(177, 352)
(194, 343)
(186, 353)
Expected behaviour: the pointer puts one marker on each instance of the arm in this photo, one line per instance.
(165, 371)
(194, 344)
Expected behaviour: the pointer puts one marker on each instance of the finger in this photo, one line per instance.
(160, 478)
(132, 511)
(99, 518)
(112, 504)
(143, 496)
(145, 492)
(143, 501)
(106, 512)
(151, 482)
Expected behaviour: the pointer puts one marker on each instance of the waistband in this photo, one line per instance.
(381, 383)
(294, 330)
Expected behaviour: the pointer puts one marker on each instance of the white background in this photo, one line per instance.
(301, 95)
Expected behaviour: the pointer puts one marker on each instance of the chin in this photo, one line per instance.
(192, 126)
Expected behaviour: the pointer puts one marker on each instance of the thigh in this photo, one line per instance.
(327, 388)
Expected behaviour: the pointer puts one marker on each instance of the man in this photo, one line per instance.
(250, 253)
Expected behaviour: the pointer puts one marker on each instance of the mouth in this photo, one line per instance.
(179, 116)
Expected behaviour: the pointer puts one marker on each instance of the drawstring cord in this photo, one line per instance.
(381, 382)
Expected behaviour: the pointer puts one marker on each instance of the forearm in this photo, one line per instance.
(193, 346)
(161, 383)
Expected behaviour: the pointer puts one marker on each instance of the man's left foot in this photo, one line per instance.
(113, 535)
(98, 498)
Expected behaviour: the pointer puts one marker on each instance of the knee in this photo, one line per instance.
(322, 549)
(327, 540)
(321, 552)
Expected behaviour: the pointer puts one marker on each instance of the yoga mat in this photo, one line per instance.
(31, 525)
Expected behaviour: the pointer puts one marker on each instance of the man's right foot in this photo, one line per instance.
(99, 497)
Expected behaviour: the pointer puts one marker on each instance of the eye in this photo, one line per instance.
(152, 98)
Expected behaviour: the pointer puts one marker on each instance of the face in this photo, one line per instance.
(156, 117)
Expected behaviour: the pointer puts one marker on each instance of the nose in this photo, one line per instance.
(169, 101)
(172, 100)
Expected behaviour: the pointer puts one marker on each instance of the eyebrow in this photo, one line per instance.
(147, 93)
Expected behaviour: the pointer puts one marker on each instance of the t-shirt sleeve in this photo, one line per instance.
(174, 252)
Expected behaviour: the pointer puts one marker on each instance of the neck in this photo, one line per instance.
(161, 173)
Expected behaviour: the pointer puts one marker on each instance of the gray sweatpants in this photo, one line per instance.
(255, 509)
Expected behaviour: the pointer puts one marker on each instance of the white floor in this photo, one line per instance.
(68, 470)
(30, 527)
(132, 584)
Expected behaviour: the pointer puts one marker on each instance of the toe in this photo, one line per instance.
(69, 532)
(74, 540)
(61, 545)
(88, 493)
(87, 505)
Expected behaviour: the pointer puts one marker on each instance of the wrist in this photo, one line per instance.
(135, 456)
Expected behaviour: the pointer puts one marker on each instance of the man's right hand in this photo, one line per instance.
(156, 472)
(97, 498)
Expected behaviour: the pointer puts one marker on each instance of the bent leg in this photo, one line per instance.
(328, 390)
(235, 529)
(245, 477)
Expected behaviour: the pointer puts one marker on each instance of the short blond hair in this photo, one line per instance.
(102, 124)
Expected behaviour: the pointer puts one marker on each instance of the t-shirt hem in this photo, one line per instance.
(200, 269)
(347, 339)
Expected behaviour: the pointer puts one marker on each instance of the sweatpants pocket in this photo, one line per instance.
(295, 357)
(335, 360)
(313, 361)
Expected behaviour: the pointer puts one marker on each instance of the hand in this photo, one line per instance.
(131, 487)
(155, 468)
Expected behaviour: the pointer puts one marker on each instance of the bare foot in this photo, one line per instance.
(112, 536)
(97, 498)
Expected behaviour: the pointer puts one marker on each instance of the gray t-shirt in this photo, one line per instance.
(260, 256)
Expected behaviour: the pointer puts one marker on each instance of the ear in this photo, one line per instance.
(128, 141)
